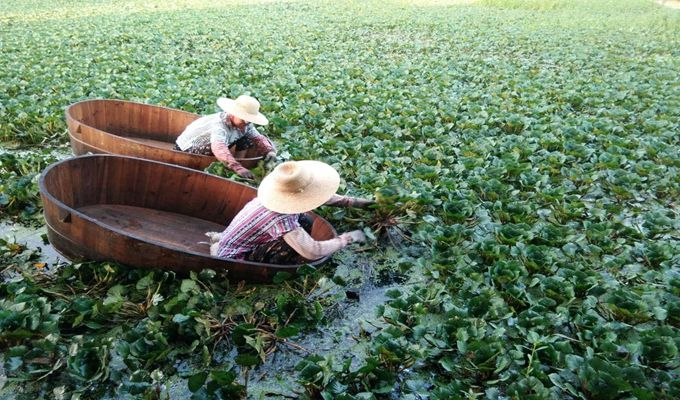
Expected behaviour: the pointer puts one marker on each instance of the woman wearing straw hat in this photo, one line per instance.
(273, 228)
(213, 134)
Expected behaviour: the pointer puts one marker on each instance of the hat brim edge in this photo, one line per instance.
(326, 184)
(228, 105)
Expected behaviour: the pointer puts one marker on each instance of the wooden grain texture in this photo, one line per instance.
(163, 227)
(137, 130)
(148, 214)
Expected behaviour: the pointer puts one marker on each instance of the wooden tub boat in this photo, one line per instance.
(148, 214)
(137, 130)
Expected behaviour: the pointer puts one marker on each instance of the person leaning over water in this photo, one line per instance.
(273, 227)
(213, 134)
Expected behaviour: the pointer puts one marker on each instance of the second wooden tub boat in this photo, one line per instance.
(137, 130)
(148, 214)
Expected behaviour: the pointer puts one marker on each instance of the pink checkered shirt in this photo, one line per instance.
(253, 226)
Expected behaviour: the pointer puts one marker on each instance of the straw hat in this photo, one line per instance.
(245, 107)
(298, 186)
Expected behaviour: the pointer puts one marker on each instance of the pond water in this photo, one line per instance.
(275, 379)
(33, 238)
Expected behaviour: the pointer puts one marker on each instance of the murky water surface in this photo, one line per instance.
(33, 238)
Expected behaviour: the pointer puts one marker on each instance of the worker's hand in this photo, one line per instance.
(270, 157)
(214, 236)
(244, 173)
(355, 236)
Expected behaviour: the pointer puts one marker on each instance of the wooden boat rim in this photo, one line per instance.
(125, 101)
(128, 140)
(46, 193)
(77, 139)
(103, 151)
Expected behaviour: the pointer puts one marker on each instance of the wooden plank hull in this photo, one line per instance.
(148, 214)
(137, 130)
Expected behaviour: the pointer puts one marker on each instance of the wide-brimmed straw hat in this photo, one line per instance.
(298, 186)
(245, 107)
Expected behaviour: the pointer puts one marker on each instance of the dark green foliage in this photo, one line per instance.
(92, 327)
(19, 193)
(530, 148)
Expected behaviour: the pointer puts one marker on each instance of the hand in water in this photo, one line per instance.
(355, 236)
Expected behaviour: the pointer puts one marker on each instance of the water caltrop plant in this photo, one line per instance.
(92, 327)
(19, 194)
(524, 156)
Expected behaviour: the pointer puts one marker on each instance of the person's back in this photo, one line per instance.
(253, 226)
(197, 134)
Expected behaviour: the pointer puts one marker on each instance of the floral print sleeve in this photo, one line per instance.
(260, 141)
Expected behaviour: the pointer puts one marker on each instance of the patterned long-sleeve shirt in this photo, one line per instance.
(215, 131)
(256, 225)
